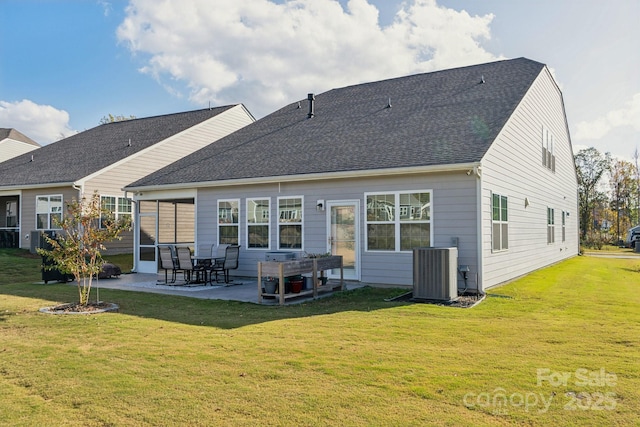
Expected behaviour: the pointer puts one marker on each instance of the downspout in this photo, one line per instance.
(79, 189)
(136, 234)
(480, 260)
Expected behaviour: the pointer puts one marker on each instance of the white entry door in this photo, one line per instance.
(344, 236)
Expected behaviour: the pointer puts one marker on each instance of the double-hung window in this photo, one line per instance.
(119, 207)
(290, 222)
(228, 215)
(48, 212)
(548, 156)
(398, 221)
(499, 222)
(258, 223)
(551, 228)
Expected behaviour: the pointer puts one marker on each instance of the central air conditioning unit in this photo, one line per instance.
(435, 274)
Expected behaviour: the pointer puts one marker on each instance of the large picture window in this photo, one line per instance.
(398, 221)
(500, 222)
(228, 214)
(290, 223)
(258, 223)
(48, 211)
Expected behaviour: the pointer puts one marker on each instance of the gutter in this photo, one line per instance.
(468, 168)
(36, 186)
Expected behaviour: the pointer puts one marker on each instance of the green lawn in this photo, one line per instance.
(562, 345)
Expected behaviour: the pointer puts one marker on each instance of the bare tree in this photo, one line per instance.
(111, 118)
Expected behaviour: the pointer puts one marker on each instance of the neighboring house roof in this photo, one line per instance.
(14, 143)
(84, 153)
(440, 118)
(9, 133)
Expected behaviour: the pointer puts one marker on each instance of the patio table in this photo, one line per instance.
(206, 261)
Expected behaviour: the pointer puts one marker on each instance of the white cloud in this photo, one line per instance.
(42, 123)
(268, 54)
(629, 115)
(107, 7)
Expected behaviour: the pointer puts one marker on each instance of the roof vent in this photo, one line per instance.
(31, 158)
(389, 103)
(481, 79)
(299, 106)
(129, 145)
(311, 99)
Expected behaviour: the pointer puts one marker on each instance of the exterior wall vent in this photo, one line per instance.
(435, 274)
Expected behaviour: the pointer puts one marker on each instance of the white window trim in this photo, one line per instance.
(397, 220)
(278, 223)
(551, 226)
(247, 224)
(116, 213)
(501, 222)
(548, 150)
(49, 222)
(219, 225)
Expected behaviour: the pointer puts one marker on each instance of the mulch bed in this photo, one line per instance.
(463, 301)
(76, 308)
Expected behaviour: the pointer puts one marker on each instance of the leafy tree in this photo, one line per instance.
(623, 190)
(111, 118)
(77, 249)
(635, 219)
(591, 165)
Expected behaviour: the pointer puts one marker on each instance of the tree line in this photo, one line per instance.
(609, 196)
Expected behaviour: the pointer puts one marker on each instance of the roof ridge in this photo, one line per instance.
(174, 114)
(418, 74)
(17, 135)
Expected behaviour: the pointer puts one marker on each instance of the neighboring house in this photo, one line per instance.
(14, 143)
(37, 185)
(477, 157)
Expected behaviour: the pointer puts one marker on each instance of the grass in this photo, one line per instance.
(612, 248)
(352, 359)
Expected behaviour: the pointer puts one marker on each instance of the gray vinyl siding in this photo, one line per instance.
(513, 168)
(453, 215)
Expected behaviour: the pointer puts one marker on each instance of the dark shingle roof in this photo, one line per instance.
(84, 153)
(16, 136)
(440, 118)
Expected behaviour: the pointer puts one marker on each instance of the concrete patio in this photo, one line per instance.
(243, 289)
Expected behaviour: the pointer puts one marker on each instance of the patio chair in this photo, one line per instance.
(230, 262)
(185, 264)
(167, 262)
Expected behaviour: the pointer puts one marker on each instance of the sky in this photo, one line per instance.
(66, 64)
